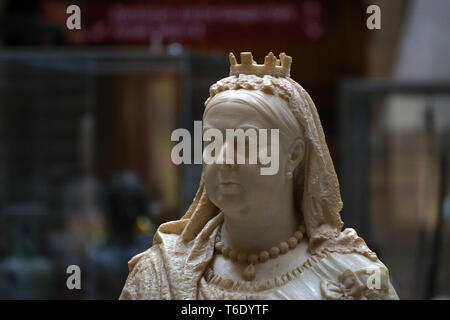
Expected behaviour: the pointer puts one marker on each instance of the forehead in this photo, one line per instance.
(231, 114)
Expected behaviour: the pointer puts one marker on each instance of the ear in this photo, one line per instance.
(296, 154)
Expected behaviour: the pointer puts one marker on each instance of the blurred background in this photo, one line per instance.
(86, 117)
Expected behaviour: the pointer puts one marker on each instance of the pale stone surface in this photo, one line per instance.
(257, 214)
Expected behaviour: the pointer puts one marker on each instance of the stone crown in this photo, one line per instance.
(272, 66)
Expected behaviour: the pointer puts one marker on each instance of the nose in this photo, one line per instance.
(221, 160)
(225, 165)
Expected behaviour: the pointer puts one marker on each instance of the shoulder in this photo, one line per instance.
(355, 273)
(143, 281)
(146, 258)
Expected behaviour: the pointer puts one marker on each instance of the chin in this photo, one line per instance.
(230, 203)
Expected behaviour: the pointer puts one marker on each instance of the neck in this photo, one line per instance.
(270, 226)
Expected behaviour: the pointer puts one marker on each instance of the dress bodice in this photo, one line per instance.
(173, 269)
(333, 276)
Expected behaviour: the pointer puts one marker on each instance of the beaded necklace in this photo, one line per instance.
(262, 256)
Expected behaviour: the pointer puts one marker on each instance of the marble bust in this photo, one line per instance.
(252, 236)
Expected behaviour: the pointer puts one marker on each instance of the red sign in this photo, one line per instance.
(111, 23)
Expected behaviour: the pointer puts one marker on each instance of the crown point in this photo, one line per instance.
(270, 60)
(246, 58)
(232, 59)
(286, 62)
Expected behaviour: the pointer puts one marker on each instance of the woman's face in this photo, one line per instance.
(235, 187)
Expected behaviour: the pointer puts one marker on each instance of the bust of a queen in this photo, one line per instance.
(249, 235)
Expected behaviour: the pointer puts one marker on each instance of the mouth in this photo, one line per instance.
(230, 188)
(229, 183)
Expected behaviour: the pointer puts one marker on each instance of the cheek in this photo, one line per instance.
(249, 174)
(255, 183)
(209, 173)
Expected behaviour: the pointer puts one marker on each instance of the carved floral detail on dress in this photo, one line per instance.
(365, 284)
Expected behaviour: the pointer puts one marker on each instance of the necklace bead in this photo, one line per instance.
(264, 256)
(274, 252)
(292, 241)
(284, 247)
(298, 235)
